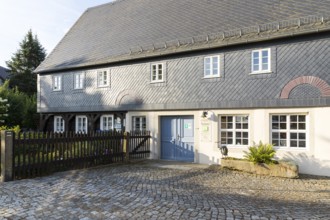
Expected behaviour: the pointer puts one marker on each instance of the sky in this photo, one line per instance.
(48, 19)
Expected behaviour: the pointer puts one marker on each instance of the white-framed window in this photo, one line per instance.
(234, 130)
(260, 61)
(106, 122)
(57, 83)
(78, 80)
(289, 130)
(103, 78)
(157, 72)
(59, 124)
(211, 66)
(81, 124)
(139, 123)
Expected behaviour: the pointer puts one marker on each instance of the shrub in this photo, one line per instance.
(261, 153)
(15, 129)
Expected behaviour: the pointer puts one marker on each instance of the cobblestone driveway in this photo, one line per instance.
(146, 190)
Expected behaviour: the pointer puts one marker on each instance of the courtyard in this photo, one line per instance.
(154, 189)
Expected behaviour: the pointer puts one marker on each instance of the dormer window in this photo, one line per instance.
(157, 72)
(57, 83)
(211, 66)
(103, 78)
(261, 61)
(78, 81)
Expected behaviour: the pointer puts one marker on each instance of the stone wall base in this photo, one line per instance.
(283, 169)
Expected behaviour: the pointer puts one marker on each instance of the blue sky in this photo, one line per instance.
(48, 19)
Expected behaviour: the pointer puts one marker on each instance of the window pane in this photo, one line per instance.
(302, 143)
(276, 143)
(293, 135)
(245, 141)
(302, 126)
(245, 134)
(302, 118)
(282, 143)
(265, 66)
(293, 144)
(275, 135)
(293, 126)
(302, 136)
(255, 55)
(265, 53)
(293, 118)
(275, 118)
(275, 126)
(282, 125)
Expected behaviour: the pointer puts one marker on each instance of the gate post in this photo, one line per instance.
(7, 155)
(126, 146)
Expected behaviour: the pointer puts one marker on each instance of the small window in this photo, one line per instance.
(106, 122)
(211, 66)
(157, 72)
(261, 61)
(58, 124)
(103, 78)
(234, 130)
(81, 124)
(57, 83)
(79, 80)
(139, 123)
(289, 131)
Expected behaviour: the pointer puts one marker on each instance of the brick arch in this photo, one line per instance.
(322, 85)
(128, 93)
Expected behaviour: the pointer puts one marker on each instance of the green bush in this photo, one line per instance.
(15, 129)
(261, 153)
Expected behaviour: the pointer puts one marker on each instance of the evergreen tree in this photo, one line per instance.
(22, 64)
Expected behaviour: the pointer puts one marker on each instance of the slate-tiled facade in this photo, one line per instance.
(185, 87)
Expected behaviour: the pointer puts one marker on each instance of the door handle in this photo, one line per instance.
(178, 137)
(173, 141)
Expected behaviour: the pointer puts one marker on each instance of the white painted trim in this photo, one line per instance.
(86, 124)
(105, 117)
(211, 66)
(61, 121)
(99, 85)
(157, 69)
(260, 71)
(57, 82)
(80, 75)
(287, 130)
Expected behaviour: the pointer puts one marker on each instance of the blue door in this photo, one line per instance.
(177, 138)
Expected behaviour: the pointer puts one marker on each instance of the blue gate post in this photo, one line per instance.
(7, 155)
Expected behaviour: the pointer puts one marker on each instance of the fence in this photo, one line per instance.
(27, 155)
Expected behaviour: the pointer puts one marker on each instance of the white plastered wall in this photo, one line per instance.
(315, 159)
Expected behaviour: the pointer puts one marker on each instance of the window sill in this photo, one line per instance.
(211, 77)
(159, 81)
(260, 72)
(291, 148)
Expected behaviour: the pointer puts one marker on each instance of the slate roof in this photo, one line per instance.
(129, 29)
(4, 73)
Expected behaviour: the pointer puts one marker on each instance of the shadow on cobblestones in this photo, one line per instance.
(143, 191)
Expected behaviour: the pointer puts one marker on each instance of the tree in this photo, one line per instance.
(21, 109)
(22, 64)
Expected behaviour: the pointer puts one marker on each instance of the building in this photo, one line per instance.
(4, 74)
(199, 74)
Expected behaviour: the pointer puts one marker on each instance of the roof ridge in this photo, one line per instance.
(113, 2)
(236, 32)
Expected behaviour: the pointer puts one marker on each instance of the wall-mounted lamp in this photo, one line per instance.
(204, 114)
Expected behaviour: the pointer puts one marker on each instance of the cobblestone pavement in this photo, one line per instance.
(164, 190)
